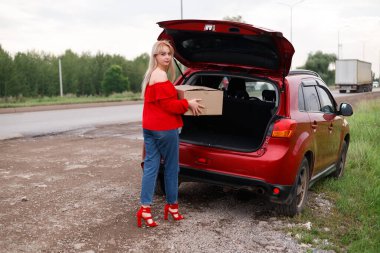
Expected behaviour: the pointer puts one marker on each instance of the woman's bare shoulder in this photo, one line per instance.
(158, 76)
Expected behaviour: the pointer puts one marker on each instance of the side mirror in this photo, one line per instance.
(345, 109)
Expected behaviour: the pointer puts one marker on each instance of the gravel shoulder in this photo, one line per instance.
(78, 192)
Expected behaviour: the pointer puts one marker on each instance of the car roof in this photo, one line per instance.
(303, 72)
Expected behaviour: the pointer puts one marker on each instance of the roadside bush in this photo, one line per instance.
(114, 81)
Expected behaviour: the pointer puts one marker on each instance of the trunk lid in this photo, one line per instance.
(226, 45)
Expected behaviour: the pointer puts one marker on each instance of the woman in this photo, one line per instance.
(161, 120)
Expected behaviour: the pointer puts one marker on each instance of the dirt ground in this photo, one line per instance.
(79, 191)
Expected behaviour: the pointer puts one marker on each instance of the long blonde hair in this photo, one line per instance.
(157, 49)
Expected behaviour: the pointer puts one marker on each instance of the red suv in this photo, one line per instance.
(280, 131)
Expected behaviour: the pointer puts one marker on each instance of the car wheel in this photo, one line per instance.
(160, 185)
(338, 173)
(300, 192)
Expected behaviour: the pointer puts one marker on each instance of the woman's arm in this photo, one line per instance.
(180, 106)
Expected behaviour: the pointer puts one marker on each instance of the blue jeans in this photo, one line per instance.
(165, 145)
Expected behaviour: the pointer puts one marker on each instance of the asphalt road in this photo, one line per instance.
(26, 124)
(336, 93)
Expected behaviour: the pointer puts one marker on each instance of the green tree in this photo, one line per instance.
(114, 80)
(38, 71)
(50, 68)
(98, 66)
(34, 73)
(6, 73)
(70, 71)
(26, 67)
(22, 67)
(136, 70)
(85, 85)
(320, 63)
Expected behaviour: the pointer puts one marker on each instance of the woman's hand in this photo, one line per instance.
(195, 106)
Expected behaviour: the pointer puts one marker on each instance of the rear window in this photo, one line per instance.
(238, 87)
(249, 50)
(256, 88)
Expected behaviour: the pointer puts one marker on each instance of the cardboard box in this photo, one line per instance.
(212, 99)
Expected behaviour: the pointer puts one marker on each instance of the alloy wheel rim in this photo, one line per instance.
(301, 187)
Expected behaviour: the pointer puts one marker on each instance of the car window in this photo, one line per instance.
(256, 88)
(311, 98)
(301, 101)
(327, 106)
(238, 87)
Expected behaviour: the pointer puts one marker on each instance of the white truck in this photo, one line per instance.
(353, 76)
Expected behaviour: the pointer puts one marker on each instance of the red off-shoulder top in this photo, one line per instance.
(162, 108)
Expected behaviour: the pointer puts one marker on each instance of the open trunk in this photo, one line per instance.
(246, 114)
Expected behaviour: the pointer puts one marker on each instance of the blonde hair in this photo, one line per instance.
(157, 49)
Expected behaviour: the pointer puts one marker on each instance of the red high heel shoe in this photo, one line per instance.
(175, 215)
(139, 216)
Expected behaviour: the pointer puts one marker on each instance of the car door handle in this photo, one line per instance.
(314, 125)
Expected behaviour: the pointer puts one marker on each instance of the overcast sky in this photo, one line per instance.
(129, 28)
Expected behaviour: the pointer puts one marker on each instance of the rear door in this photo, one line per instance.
(319, 125)
(226, 45)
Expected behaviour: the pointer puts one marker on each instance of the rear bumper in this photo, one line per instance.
(283, 197)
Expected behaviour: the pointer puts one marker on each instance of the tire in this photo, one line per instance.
(299, 200)
(160, 186)
(340, 165)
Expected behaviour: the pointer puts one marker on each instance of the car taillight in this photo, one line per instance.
(284, 128)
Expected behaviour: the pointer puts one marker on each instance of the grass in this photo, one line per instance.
(12, 102)
(353, 225)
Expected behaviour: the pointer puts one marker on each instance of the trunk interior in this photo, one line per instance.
(248, 107)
